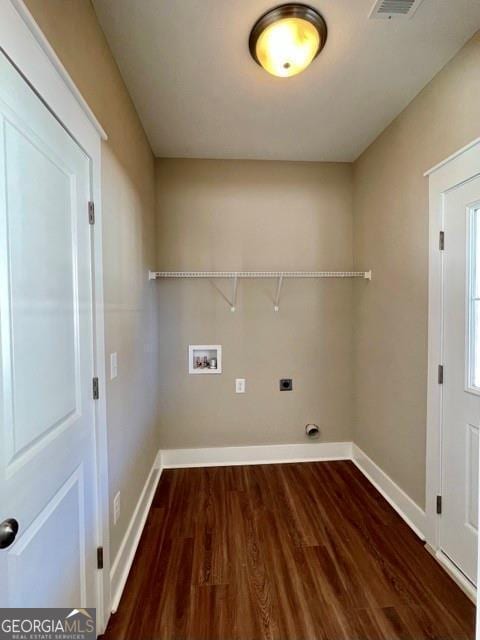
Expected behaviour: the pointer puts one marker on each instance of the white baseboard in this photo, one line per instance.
(261, 454)
(413, 515)
(123, 560)
(457, 576)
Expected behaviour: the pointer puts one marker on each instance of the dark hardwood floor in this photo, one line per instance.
(287, 551)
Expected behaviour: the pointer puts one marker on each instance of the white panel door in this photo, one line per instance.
(47, 471)
(461, 390)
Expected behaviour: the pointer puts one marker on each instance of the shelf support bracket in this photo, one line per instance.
(232, 303)
(276, 306)
(234, 294)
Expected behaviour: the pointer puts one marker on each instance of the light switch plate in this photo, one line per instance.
(113, 366)
(240, 385)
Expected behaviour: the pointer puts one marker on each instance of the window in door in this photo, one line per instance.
(473, 301)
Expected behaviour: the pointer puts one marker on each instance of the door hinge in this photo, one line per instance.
(99, 557)
(439, 505)
(440, 374)
(95, 389)
(442, 240)
(91, 213)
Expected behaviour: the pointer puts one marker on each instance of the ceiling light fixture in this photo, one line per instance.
(285, 40)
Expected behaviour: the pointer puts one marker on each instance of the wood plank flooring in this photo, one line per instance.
(286, 552)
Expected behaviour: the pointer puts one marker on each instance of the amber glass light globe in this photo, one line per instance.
(285, 40)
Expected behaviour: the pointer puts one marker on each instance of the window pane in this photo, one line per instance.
(476, 253)
(474, 301)
(475, 352)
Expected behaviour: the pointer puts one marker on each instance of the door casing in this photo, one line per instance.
(455, 170)
(28, 49)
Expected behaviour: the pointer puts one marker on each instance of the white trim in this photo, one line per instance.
(101, 424)
(55, 60)
(124, 559)
(261, 454)
(406, 508)
(411, 513)
(456, 575)
(26, 46)
(454, 156)
(455, 170)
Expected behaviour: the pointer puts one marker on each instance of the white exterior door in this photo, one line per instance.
(461, 387)
(47, 461)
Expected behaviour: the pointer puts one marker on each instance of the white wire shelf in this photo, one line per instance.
(235, 276)
(156, 275)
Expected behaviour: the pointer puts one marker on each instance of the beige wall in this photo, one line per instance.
(234, 215)
(128, 232)
(391, 225)
(266, 215)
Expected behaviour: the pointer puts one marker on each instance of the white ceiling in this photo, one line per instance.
(200, 95)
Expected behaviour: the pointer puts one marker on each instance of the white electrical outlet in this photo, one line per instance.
(240, 385)
(113, 366)
(116, 508)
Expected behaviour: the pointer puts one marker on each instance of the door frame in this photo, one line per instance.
(450, 173)
(25, 45)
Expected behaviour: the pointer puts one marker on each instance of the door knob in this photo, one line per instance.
(8, 532)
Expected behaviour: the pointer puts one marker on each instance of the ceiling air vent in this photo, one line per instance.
(393, 9)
